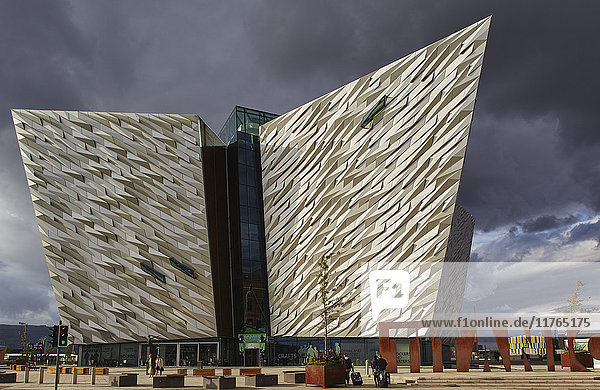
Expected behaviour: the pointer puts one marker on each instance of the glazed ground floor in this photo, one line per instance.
(249, 350)
(562, 378)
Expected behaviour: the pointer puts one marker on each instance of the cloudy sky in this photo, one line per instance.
(532, 172)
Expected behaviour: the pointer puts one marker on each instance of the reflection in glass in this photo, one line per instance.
(188, 354)
(208, 354)
(109, 355)
(128, 356)
(168, 352)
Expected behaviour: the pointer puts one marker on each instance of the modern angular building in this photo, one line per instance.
(154, 225)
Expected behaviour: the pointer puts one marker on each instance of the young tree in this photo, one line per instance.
(575, 303)
(330, 307)
(23, 337)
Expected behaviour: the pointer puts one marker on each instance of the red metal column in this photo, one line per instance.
(436, 348)
(594, 346)
(387, 349)
(415, 358)
(501, 336)
(576, 365)
(549, 350)
(486, 364)
(464, 350)
(526, 363)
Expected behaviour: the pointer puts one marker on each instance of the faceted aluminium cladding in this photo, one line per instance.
(370, 172)
(120, 203)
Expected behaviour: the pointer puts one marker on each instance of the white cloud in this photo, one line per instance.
(542, 274)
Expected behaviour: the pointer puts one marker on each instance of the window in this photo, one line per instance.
(243, 174)
(252, 197)
(253, 229)
(243, 195)
(254, 216)
(186, 269)
(367, 121)
(147, 267)
(244, 214)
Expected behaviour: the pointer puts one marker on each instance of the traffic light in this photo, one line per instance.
(54, 336)
(63, 335)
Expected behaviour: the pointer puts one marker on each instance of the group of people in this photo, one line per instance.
(378, 364)
(379, 375)
(154, 366)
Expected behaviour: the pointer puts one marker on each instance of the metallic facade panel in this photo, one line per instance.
(381, 194)
(111, 192)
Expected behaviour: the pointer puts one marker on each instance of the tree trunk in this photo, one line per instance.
(326, 335)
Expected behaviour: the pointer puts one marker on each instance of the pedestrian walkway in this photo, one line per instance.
(475, 379)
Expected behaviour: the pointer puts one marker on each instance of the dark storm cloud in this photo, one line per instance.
(546, 222)
(547, 238)
(42, 51)
(585, 231)
(532, 155)
(536, 123)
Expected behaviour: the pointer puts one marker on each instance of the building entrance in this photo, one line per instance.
(251, 356)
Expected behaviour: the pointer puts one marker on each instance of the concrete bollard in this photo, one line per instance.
(41, 376)
(74, 378)
(93, 376)
(26, 380)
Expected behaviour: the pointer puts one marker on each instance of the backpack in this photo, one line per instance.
(374, 365)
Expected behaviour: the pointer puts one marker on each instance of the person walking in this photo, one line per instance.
(148, 365)
(159, 366)
(375, 367)
(381, 366)
(349, 367)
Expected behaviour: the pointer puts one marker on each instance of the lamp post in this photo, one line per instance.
(149, 352)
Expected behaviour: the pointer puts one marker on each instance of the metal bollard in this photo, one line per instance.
(93, 376)
(26, 380)
(41, 376)
(74, 378)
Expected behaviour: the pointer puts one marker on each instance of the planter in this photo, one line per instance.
(325, 376)
(584, 358)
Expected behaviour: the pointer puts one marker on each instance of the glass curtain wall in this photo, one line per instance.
(241, 134)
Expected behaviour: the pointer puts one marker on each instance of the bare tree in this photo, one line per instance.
(575, 303)
(23, 336)
(330, 307)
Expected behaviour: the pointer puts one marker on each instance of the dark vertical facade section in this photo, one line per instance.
(234, 237)
(454, 274)
(215, 187)
(246, 216)
(461, 235)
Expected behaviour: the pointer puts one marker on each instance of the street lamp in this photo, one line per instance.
(149, 347)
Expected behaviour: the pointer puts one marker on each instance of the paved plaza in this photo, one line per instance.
(475, 379)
